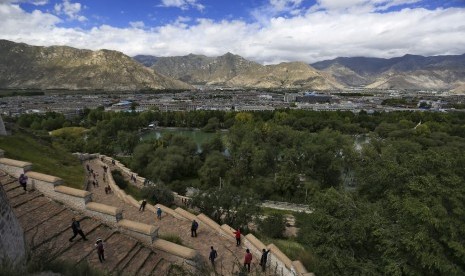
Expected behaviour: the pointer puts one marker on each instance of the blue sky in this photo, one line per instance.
(267, 31)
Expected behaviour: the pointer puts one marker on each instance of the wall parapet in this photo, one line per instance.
(73, 197)
(105, 212)
(187, 215)
(14, 167)
(175, 249)
(145, 232)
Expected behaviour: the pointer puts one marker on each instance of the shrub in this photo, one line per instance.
(158, 194)
(119, 179)
(273, 225)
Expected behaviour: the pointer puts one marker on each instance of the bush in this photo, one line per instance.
(273, 225)
(119, 179)
(158, 194)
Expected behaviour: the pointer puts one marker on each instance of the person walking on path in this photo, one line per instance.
(23, 181)
(76, 226)
(264, 259)
(100, 250)
(142, 205)
(213, 255)
(159, 213)
(238, 236)
(194, 227)
(247, 259)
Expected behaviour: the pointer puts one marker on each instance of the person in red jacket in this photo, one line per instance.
(247, 259)
(238, 237)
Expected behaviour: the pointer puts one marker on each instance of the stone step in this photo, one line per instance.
(59, 243)
(11, 185)
(128, 258)
(137, 262)
(15, 192)
(150, 264)
(7, 179)
(30, 206)
(49, 229)
(20, 200)
(162, 268)
(31, 219)
(117, 248)
(80, 250)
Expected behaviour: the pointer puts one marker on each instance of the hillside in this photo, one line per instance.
(285, 75)
(62, 67)
(407, 72)
(235, 71)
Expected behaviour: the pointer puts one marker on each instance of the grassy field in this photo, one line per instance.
(45, 157)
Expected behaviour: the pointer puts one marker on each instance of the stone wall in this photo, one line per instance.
(12, 245)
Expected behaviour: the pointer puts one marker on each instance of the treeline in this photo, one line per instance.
(387, 189)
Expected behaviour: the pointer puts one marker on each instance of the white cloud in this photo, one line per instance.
(276, 7)
(137, 24)
(308, 37)
(182, 4)
(360, 6)
(71, 10)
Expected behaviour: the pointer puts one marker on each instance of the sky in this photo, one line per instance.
(265, 31)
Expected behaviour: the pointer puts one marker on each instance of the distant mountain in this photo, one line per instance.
(62, 67)
(407, 72)
(285, 75)
(146, 60)
(235, 71)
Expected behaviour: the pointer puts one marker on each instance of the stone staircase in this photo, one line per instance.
(46, 226)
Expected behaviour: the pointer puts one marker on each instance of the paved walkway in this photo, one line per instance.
(229, 255)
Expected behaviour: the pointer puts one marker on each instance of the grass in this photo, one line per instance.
(134, 192)
(71, 131)
(46, 157)
(171, 238)
(294, 250)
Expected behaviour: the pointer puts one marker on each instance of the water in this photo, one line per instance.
(198, 136)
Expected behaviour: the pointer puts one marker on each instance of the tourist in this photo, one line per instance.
(247, 259)
(142, 205)
(23, 181)
(264, 259)
(194, 227)
(87, 167)
(159, 213)
(100, 250)
(76, 226)
(238, 237)
(213, 255)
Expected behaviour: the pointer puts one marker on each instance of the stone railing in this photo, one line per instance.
(279, 263)
(81, 201)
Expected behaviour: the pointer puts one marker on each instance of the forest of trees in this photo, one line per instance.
(387, 189)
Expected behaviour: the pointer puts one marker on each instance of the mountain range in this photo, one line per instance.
(63, 67)
(234, 71)
(407, 72)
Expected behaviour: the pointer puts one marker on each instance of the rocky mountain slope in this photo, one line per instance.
(62, 67)
(235, 71)
(407, 72)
